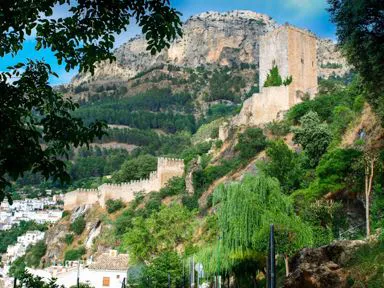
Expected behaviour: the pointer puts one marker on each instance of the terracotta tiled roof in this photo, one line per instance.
(107, 262)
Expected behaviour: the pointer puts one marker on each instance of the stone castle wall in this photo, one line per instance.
(166, 169)
(83, 196)
(302, 63)
(293, 51)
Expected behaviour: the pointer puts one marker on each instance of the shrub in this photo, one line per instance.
(34, 254)
(190, 202)
(82, 285)
(65, 214)
(273, 78)
(74, 254)
(251, 142)
(313, 136)
(175, 186)
(114, 205)
(284, 164)
(78, 225)
(68, 239)
(136, 169)
(278, 128)
(124, 222)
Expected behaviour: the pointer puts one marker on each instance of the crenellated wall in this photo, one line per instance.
(167, 168)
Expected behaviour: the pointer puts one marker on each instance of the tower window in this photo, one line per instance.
(302, 60)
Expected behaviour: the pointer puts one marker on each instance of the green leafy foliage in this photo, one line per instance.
(34, 254)
(156, 273)
(217, 111)
(161, 232)
(136, 169)
(49, 122)
(82, 285)
(313, 136)
(273, 78)
(153, 109)
(339, 168)
(78, 225)
(26, 279)
(33, 112)
(9, 237)
(359, 29)
(291, 233)
(326, 219)
(74, 254)
(279, 128)
(175, 186)
(284, 164)
(68, 239)
(225, 86)
(114, 205)
(366, 265)
(251, 142)
(244, 212)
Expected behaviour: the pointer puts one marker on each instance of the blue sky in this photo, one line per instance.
(310, 14)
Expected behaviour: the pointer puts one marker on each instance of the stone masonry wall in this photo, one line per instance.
(302, 63)
(166, 169)
(80, 197)
(294, 52)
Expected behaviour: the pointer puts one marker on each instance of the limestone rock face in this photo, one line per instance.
(322, 267)
(329, 59)
(210, 38)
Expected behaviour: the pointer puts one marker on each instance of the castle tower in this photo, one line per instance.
(168, 168)
(294, 52)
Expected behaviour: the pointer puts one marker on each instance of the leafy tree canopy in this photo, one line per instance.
(31, 111)
(359, 28)
(313, 136)
(136, 168)
(162, 231)
(284, 164)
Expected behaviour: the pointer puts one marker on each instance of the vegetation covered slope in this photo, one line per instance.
(303, 177)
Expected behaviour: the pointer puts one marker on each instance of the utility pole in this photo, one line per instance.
(271, 276)
(169, 280)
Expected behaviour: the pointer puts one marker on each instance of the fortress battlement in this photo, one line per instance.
(167, 168)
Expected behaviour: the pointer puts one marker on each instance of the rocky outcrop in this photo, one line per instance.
(210, 38)
(322, 267)
(329, 59)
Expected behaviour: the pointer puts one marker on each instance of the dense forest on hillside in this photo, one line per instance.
(314, 184)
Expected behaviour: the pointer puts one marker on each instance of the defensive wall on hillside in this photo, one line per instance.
(167, 168)
(293, 51)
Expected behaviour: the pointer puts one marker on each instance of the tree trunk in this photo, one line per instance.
(369, 173)
(286, 260)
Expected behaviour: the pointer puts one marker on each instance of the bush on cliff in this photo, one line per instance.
(114, 205)
(78, 225)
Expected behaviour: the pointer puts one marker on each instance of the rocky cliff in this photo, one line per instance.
(210, 38)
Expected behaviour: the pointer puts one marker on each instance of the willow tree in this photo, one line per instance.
(291, 234)
(241, 209)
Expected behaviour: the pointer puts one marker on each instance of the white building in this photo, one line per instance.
(38, 210)
(108, 270)
(19, 249)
